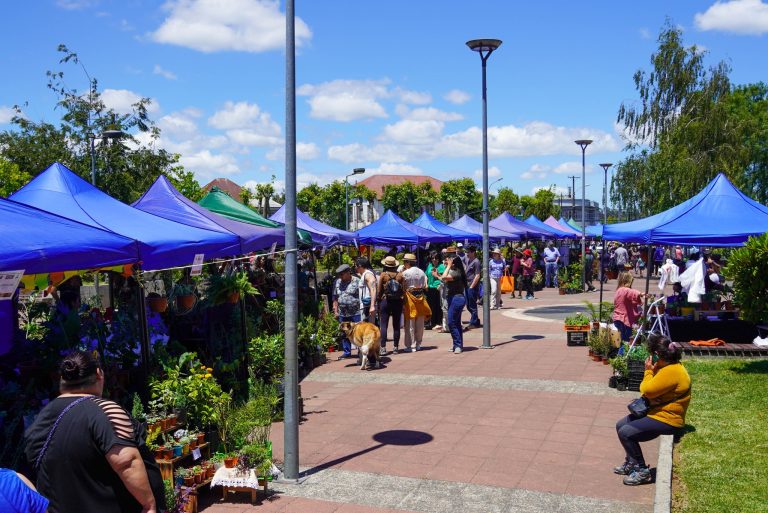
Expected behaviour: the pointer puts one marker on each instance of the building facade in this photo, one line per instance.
(571, 208)
(362, 212)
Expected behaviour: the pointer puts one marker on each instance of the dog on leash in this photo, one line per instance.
(367, 337)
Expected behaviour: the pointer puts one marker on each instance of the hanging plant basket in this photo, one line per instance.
(185, 302)
(233, 297)
(158, 304)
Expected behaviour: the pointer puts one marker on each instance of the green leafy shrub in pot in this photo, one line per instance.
(746, 267)
(223, 288)
(577, 320)
(254, 457)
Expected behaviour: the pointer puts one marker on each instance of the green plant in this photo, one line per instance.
(267, 356)
(183, 289)
(221, 287)
(638, 352)
(176, 497)
(577, 320)
(746, 267)
(619, 364)
(538, 279)
(600, 341)
(137, 410)
(254, 457)
(153, 442)
(224, 413)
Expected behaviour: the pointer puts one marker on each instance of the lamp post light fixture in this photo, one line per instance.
(356, 171)
(485, 47)
(605, 166)
(583, 143)
(105, 135)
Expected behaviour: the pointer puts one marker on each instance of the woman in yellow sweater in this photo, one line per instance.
(667, 386)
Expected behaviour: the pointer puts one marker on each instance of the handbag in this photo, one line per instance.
(639, 408)
(507, 284)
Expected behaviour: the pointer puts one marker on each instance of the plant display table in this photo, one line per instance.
(233, 480)
(168, 466)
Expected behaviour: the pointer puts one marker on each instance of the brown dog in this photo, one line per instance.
(367, 337)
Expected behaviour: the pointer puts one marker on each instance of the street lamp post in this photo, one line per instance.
(485, 48)
(605, 166)
(583, 143)
(356, 171)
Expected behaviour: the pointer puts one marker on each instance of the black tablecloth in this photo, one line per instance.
(733, 331)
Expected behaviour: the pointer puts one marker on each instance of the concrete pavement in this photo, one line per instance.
(527, 426)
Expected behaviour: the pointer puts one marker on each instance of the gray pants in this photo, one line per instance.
(444, 305)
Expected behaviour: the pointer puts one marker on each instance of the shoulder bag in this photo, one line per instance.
(640, 407)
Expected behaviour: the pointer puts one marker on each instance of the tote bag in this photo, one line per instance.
(507, 283)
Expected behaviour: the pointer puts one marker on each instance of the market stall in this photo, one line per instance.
(430, 223)
(507, 223)
(468, 224)
(390, 229)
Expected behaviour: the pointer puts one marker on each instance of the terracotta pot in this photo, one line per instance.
(331, 349)
(590, 353)
(185, 302)
(229, 462)
(233, 297)
(596, 357)
(200, 439)
(209, 472)
(172, 420)
(167, 453)
(561, 292)
(160, 453)
(158, 304)
(165, 423)
(189, 481)
(605, 361)
(198, 478)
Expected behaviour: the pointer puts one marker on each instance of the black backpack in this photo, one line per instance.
(393, 290)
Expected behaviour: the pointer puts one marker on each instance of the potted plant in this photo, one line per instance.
(229, 288)
(576, 327)
(200, 439)
(184, 441)
(185, 296)
(217, 460)
(254, 457)
(538, 280)
(157, 303)
(562, 280)
(197, 471)
(188, 479)
(230, 460)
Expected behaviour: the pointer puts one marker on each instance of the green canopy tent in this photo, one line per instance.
(221, 203)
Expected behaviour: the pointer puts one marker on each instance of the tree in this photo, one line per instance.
(11, 178)
(505, 201)
(541, 204)
(124, 168)
(246, 195)
(459, 197)
(407, 199)
(326, 204)
(263, 194)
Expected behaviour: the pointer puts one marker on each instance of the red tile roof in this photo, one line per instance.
(226, 185)
(376, 183)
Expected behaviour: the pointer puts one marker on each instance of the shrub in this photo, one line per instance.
(746, 267)
(267, 357)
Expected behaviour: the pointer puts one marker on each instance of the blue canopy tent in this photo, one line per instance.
(392, 229)
(162, 243)
(468, 224)
(508, 223)
(595, 230)
(162, 199)
(39, 242)
(719, 215)
(322, 234)
(541, 225)
(430, 223)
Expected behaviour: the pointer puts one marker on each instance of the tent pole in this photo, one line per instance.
(602, 278)
(144, 339)
(647, 278)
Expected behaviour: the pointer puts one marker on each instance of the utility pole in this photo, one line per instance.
(573, 195)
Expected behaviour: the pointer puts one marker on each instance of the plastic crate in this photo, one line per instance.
(577, 338)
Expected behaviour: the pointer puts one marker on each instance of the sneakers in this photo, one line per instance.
(383, 351)
(624, 469)
(417, 348)
(395, 350)
(457, 350)
(640, 475)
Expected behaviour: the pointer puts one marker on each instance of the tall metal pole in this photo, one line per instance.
(583, 143)
(291, 429)
(485, 48)
(346, 203)
(573, 195)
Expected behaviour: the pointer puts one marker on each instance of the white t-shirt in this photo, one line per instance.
(414, 277)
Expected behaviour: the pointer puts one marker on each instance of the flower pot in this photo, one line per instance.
(158, 304)
(200, 439)
(621, 386)
(613, 382)
(230, 462)
(198, 478)
(596, 357)
(561, 291)
(233, 297)
(605, 360)
(185, 302)
(189, 481)
(171, 420)
(185, 449)
(331, 349)
(164, 424)
(209, 472)
(167, 453)
(177, 450)
(160, 453)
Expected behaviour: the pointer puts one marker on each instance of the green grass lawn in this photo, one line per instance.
(721, 464)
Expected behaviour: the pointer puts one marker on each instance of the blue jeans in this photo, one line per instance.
(455, 307)
(624, 330)
(550, 278)
(346, 345)
(471, 299)
(632, 431)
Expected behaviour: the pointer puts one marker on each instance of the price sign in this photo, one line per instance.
(197, 265)
(196, 454)
(9, 281)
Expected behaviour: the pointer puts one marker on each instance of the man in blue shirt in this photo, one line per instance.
(551, 259)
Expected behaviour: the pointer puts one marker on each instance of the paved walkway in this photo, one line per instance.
(525, 427)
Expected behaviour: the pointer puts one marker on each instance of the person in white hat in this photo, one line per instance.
(496, 270)
(415, 308)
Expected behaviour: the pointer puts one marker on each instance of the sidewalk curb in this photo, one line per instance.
(662, 503)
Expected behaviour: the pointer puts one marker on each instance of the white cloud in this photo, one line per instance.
(413, 97)
(158, 70)
(409, 131)
(239, 25)
(6, 114)
(748, 17)
(179, 124)
(209, 165)
(392, 168)
(246, 124)
(122, 101)
(568, 168)
(251, 137)
(536, 172)
(346, 100)
(645, 33)
(457, 96)
(356, 152)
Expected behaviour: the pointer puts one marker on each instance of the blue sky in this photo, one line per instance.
(385, 85)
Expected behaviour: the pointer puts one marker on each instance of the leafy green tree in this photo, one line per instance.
(124, 168)
(541, 204)
(459, 197)
(326, 204)
(263, 194)
(407, 199)
(11, 178)
(246, 195)
(505, 201)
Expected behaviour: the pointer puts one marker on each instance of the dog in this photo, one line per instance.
(367, 337)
